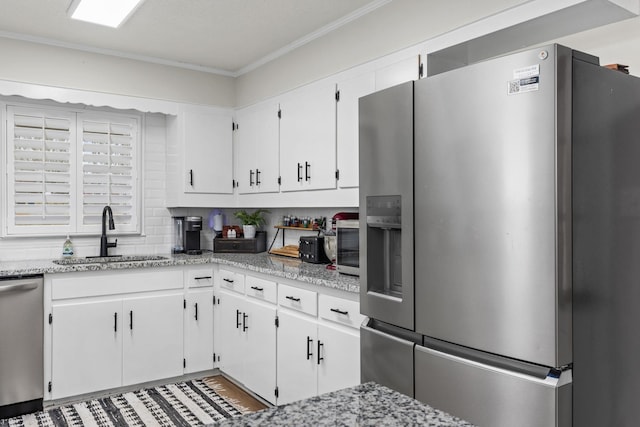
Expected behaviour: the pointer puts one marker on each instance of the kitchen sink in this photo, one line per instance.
(109, 259)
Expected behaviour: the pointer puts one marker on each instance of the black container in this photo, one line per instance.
(311, 249)
(240, 245)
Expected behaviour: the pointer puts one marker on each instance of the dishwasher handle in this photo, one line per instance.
(19, 285)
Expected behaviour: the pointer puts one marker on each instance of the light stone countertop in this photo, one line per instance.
(273, 265)
(368, 404)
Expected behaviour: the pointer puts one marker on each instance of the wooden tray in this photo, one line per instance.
(290, 251)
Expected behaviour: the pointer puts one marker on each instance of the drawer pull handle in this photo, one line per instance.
(237, 320)
(131, 320)
(309, 353)
(320, 345)
(196, 306)
(293, 298)
(203, 278)
(228, 280)
(115, 322)
(336, 310)
(255, 288)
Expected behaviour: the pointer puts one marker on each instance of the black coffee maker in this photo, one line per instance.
(186, 235)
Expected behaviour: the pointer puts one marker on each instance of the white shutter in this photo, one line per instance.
(107, 172)
(40, 150)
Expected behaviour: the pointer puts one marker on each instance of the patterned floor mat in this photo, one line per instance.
(190, 403)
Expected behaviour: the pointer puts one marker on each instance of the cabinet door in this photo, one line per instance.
(402, 71)
(199, 330)
(86, 347)
(153, 338)
(258, 143)
(340, 358)
(260, 355)
(347, 126)
(308, 138)
(228, 333)
(297, 350)
(208, 155)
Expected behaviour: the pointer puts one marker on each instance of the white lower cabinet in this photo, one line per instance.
(297, 364)
(228, 333)
(198, 320)
(152, 338)
(86, 347)
(339, 353)
(198, 351)
(245, 333)
(316, 354)
(113, 329)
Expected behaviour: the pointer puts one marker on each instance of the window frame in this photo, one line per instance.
(76, 226)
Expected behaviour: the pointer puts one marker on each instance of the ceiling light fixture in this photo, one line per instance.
(111, 13)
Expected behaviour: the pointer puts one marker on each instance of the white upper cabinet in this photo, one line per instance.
(199, 155)
(257, 145)
(399, 72)
(308, 138)
(349, 92)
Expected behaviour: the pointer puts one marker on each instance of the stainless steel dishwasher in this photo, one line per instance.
(21, 345)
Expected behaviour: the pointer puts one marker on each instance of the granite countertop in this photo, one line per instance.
(368, 404)
(273, 265)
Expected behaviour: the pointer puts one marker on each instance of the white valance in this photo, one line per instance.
(94, 99)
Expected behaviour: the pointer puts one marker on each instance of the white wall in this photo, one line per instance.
(61, 67)
(391, 28)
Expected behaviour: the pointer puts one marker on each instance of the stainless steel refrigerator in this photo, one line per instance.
(500, 240)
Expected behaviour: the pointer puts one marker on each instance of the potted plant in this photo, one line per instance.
(251, 221)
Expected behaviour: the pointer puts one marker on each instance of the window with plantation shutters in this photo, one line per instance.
(40, 185)
(64, 167)
(108, 170)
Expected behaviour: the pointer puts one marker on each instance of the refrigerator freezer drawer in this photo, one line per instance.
(489, 396)
(386, 359)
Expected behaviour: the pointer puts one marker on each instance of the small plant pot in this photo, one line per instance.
(249, 231)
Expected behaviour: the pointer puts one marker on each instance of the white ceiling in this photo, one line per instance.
(227, 37)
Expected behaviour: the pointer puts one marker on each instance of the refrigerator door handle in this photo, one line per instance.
(489, 359)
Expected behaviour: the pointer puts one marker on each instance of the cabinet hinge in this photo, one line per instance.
(337, 95)
(279, 113)
(277, 322)
(184, 363)
(50, 318)
(49, 387)
(337, 174)
(276, 392)
(279, 180)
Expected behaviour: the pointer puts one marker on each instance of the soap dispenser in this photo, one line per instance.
(67, 247)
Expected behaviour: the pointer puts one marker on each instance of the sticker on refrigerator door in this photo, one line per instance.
(523, 85)
(524, 72)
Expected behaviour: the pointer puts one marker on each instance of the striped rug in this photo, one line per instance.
(190, 403)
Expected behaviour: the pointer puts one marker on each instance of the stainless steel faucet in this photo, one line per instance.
(104, 244)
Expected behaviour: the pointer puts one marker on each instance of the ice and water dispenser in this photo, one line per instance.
(384, 244)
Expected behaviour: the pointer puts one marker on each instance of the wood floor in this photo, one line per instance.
(236, 395)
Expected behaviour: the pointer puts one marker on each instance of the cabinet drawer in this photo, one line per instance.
(232, 281)
(199, 277)
(261, 289)
(339, 310)
(298, 299)
(78, 285)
